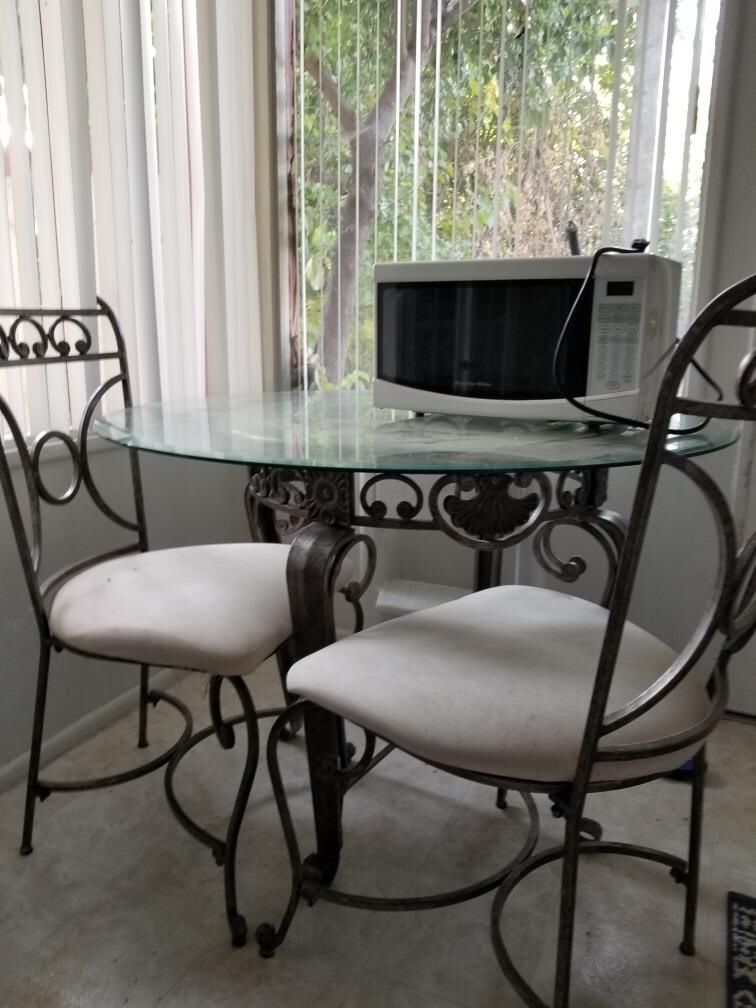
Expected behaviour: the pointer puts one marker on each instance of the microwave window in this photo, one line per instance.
(488, 339)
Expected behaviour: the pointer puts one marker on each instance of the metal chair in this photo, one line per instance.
(558, 696)
(219, 609)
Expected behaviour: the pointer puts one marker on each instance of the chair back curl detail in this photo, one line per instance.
(37, 337)
(731, 609)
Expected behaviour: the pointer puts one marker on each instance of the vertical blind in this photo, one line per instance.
(443, 129)
(127, 132)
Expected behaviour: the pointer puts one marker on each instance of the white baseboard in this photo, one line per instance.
(398, 596)
(85, 727)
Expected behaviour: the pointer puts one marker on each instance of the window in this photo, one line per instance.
(441, 129)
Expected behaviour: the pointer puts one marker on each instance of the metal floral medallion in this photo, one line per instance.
(483, 512)
(298, 497)
(491, 512)
(329, 496)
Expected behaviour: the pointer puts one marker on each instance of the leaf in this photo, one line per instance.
(314, 272)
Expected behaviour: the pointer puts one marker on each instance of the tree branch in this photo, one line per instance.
(330, 91)
(449, 15)
(402, 31)
(382, 115)
(425, 37)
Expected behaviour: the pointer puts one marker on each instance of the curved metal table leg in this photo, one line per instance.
(314, 561)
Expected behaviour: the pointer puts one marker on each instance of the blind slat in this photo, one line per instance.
(652, 232)
(68, 163)
(237, 155)
(145, 369)
(479, 103)
(521, 141)
(611, 164)
(436, 115)
(416, 125)
(499, 124)
(35, 406)
(397, 101)
(690, 118)
(173, 361)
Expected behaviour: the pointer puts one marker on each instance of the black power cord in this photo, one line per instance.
(637, 248)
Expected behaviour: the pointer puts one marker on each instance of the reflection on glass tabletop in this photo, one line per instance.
(343, 430)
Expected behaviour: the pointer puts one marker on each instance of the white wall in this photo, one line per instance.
(186, 502)
(729, 253)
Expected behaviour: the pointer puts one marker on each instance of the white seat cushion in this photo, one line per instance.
(498, 683)
(220, 609)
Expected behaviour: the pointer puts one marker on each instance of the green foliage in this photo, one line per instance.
(522, 143)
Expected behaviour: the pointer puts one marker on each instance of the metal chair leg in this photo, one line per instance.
(268, 936)
(144, 692)
(236, 922)
(567, 905)
(32, 792)
(687, 946)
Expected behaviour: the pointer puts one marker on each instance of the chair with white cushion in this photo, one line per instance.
(217, 609)
(539, 692)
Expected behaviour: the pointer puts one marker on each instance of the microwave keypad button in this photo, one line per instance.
(618, 336)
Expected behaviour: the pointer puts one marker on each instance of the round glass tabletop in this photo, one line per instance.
(343, 430)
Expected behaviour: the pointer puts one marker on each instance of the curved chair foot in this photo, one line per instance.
(238, 927)
(266, 939)
(687, 948)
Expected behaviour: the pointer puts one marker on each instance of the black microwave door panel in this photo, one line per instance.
(488, 339)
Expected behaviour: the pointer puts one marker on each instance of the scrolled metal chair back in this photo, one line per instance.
(731, 610)
(37, 338)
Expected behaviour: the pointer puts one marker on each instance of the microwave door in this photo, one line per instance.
(464, 341)
(426, 335)
(482, 358)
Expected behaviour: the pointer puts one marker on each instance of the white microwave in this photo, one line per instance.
(478, 337)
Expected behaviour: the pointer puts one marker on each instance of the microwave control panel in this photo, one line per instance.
(614, 353)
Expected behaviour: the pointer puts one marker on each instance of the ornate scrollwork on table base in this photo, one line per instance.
(482, 512)
(581, 508)
(488, 512)
(301, 496)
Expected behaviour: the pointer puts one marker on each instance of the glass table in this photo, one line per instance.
(493, 484)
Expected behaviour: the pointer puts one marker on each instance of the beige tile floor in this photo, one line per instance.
(117, 906)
